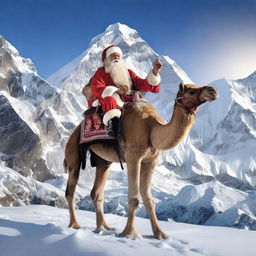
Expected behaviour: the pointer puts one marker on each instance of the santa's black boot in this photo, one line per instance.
(116, 126)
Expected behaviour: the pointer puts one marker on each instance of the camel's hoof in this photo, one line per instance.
(161, 235)
(133, 234)
(74, 225)
(103, 231)
(99, 231)
(109, 228)
(103, 228)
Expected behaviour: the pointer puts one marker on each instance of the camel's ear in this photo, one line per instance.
(182, 87)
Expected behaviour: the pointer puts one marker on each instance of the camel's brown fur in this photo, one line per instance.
(144, 134)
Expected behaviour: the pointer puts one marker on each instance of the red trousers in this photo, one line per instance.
(108, 103)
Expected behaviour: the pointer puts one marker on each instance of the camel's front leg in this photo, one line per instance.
(133, 172)
(145, 190)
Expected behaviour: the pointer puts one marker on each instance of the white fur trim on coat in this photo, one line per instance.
(95, 103)
(109, 91)
(113, 50)
(111, 114)
(153, 79)
(118, 99)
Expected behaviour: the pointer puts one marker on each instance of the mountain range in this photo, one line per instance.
(209, 179)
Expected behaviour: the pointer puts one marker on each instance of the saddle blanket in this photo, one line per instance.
(93, 129)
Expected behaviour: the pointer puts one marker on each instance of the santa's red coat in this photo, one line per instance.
(101, 80)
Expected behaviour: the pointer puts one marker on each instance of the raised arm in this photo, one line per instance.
(151, 83)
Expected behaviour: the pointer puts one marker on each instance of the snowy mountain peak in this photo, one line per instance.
(7, 46)
(137, 54)
(122, 29)
(252, 75)
(119, 27)
(118, 34)
(10, 59)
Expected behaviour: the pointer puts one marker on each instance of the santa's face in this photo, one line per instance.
(115, 66)
(115, 57)
(114, 62)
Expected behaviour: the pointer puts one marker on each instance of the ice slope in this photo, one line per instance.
(42, 230)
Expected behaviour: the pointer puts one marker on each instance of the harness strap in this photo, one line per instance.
(191, 110)
(83, 154)
(117, 148)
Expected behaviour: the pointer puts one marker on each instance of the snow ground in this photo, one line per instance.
(42, 230)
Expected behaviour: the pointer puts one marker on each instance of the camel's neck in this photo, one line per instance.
(168, 136)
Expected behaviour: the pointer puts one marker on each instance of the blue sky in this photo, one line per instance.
(208, 39)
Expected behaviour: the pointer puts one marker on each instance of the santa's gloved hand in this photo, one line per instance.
(157, 65)
(123, 89)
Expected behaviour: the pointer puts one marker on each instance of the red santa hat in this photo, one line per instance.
(109, 50)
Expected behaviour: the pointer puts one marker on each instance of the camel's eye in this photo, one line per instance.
(192, 92)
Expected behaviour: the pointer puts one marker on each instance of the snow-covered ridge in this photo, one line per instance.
(17, 190)
(20, 64)
(42, 230)
(24, 109)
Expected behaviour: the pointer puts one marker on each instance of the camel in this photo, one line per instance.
(144, 135)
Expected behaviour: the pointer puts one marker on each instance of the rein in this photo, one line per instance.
(191, 110)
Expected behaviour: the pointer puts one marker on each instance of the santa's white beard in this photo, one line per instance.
(118, 72)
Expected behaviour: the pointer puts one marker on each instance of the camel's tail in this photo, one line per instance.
(65, 166)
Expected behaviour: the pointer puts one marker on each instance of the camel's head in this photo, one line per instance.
(191, 96)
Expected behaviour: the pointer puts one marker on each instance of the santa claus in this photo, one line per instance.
(114, 79)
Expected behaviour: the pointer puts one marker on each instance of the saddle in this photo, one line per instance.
(93, 130)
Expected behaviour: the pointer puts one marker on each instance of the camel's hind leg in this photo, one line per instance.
(72, 162)
(70, 195)
(145, 191)
(97, 193)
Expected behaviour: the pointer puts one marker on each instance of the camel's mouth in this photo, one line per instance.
(212, 97)
(209, 94)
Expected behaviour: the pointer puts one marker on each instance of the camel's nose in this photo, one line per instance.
(209, 93)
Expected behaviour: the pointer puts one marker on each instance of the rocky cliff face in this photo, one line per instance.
(24, 98)
(19, 144)
(17, 190)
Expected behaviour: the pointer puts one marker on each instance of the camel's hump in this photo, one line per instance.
(145, 110)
